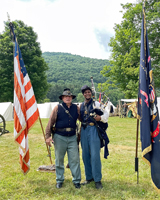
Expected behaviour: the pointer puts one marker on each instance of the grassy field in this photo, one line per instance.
(118, 174)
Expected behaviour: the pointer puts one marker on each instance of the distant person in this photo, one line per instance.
(125, 107)
(64, 117)
(90, 140)
(116, 110)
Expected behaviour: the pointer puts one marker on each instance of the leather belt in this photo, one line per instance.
(65, 129)
(86, 124)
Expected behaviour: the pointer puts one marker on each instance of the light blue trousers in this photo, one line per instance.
(63, 144)
(90, 143)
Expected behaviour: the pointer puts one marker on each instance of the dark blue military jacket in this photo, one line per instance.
(84, 116)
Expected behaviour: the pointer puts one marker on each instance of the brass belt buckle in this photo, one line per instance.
(91, 124)
(68, 129)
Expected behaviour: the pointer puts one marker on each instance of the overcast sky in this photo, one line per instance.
(81, 27)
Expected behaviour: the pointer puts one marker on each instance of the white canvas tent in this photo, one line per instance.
(111, 104)
(131, 105)
(45, 109)
(6, 110)
(133, 100)
(113, 110)
(129, 100)
(53, 104)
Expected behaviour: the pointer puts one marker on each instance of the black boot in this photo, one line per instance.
(87, 182)
(98, 185)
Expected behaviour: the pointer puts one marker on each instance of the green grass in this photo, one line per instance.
(118, 175)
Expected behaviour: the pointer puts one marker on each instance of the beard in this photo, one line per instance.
(88, 98)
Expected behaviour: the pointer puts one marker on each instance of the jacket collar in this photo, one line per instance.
(88, 103)
(65, 106)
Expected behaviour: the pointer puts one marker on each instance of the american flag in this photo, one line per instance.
(25, 107)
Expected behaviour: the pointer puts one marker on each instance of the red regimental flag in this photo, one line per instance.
(100, 97)
(25, 109)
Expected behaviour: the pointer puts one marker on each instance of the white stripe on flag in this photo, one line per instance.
(26, 143)
(29, 94)
(26, 79)
(17, 107)
(23, 143)
(15, 132)
(31, 110)
(21, 152)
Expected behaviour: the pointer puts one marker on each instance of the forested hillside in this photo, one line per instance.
(73, 71)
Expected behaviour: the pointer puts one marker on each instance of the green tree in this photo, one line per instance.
(32, 56)
(65, 68)
(125, 60)
(80, 98)
(56, 89)
(114, 94)
(54, 92)
(72, 71)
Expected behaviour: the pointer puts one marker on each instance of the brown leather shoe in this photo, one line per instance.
(87, 182)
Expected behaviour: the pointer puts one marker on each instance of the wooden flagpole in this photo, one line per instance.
(49, 154)
(136, 156)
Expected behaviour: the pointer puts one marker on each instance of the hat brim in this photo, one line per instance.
(86, 89)
(73, 96)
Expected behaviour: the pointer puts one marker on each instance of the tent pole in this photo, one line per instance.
(49, 154)
(119, 108)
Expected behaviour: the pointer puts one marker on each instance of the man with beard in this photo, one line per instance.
(90, 140)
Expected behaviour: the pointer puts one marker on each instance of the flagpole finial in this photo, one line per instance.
(144, 2)
(12, 31)
(8, 17)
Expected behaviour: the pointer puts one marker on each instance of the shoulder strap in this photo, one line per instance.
(88, 108)
(66, 111)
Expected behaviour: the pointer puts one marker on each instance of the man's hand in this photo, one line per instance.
(97, 117)
(49, 141)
